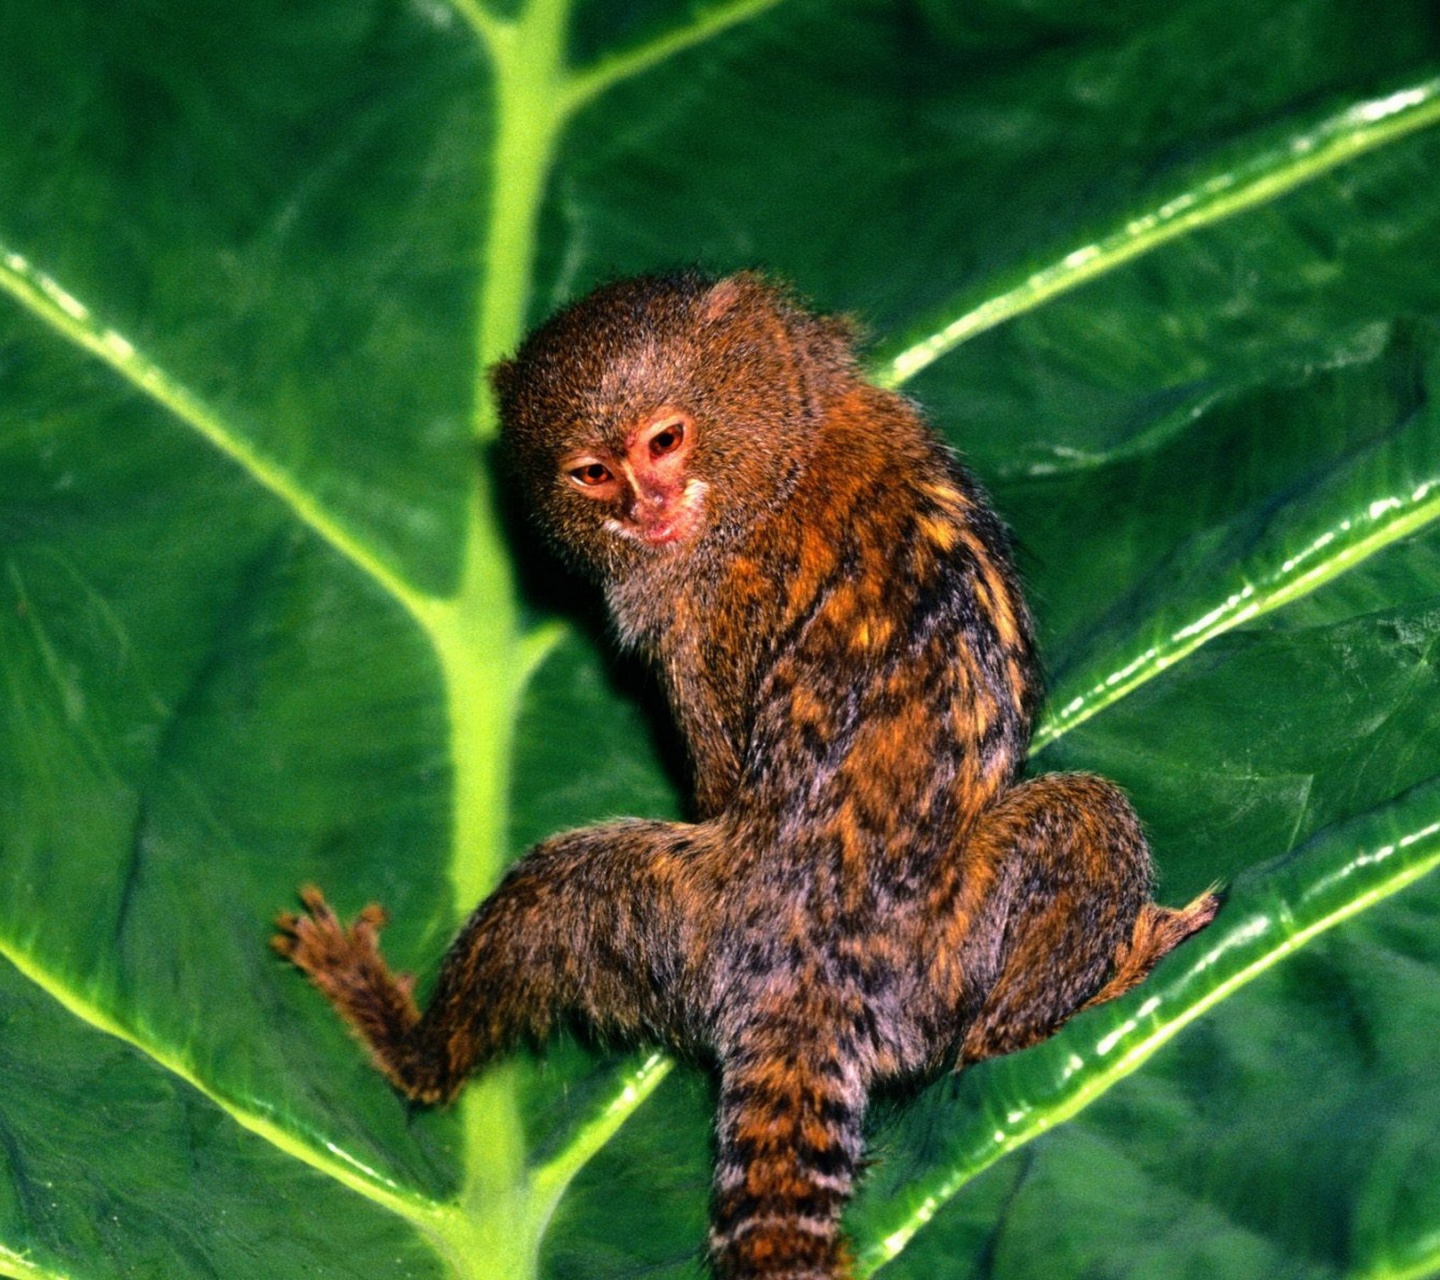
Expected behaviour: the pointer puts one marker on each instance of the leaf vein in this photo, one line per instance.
(320, 1155)
(1272, 171)
(50, 302)
(611, 70)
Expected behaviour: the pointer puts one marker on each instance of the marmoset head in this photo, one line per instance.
(663, 413)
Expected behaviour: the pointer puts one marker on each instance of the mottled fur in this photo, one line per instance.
(871, 891)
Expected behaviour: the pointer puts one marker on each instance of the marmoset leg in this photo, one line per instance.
(586, 923)
(1070, 921)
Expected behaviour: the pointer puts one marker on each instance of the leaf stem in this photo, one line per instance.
(485, 657)
(528, 56)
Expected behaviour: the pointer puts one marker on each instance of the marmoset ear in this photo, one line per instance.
(725, 296)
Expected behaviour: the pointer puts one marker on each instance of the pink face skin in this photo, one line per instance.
(658, 503)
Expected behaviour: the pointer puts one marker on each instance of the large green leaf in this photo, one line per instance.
(265, 619)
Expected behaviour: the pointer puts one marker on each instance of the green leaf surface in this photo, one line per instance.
(1168, 279)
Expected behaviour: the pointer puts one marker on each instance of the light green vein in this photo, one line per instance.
(1325, 551)
(550, 1180)
(54, 305)
(318, 1154)
(609, 71)
(18, 1267)
(1301, 157)
(1426, 1267)
(1364, 868)
(528, 58)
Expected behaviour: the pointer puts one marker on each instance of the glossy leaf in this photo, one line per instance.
(1168, 279)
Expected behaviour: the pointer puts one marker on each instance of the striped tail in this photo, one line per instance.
(789, 1144)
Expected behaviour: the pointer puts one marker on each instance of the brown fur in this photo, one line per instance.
(870, 891)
